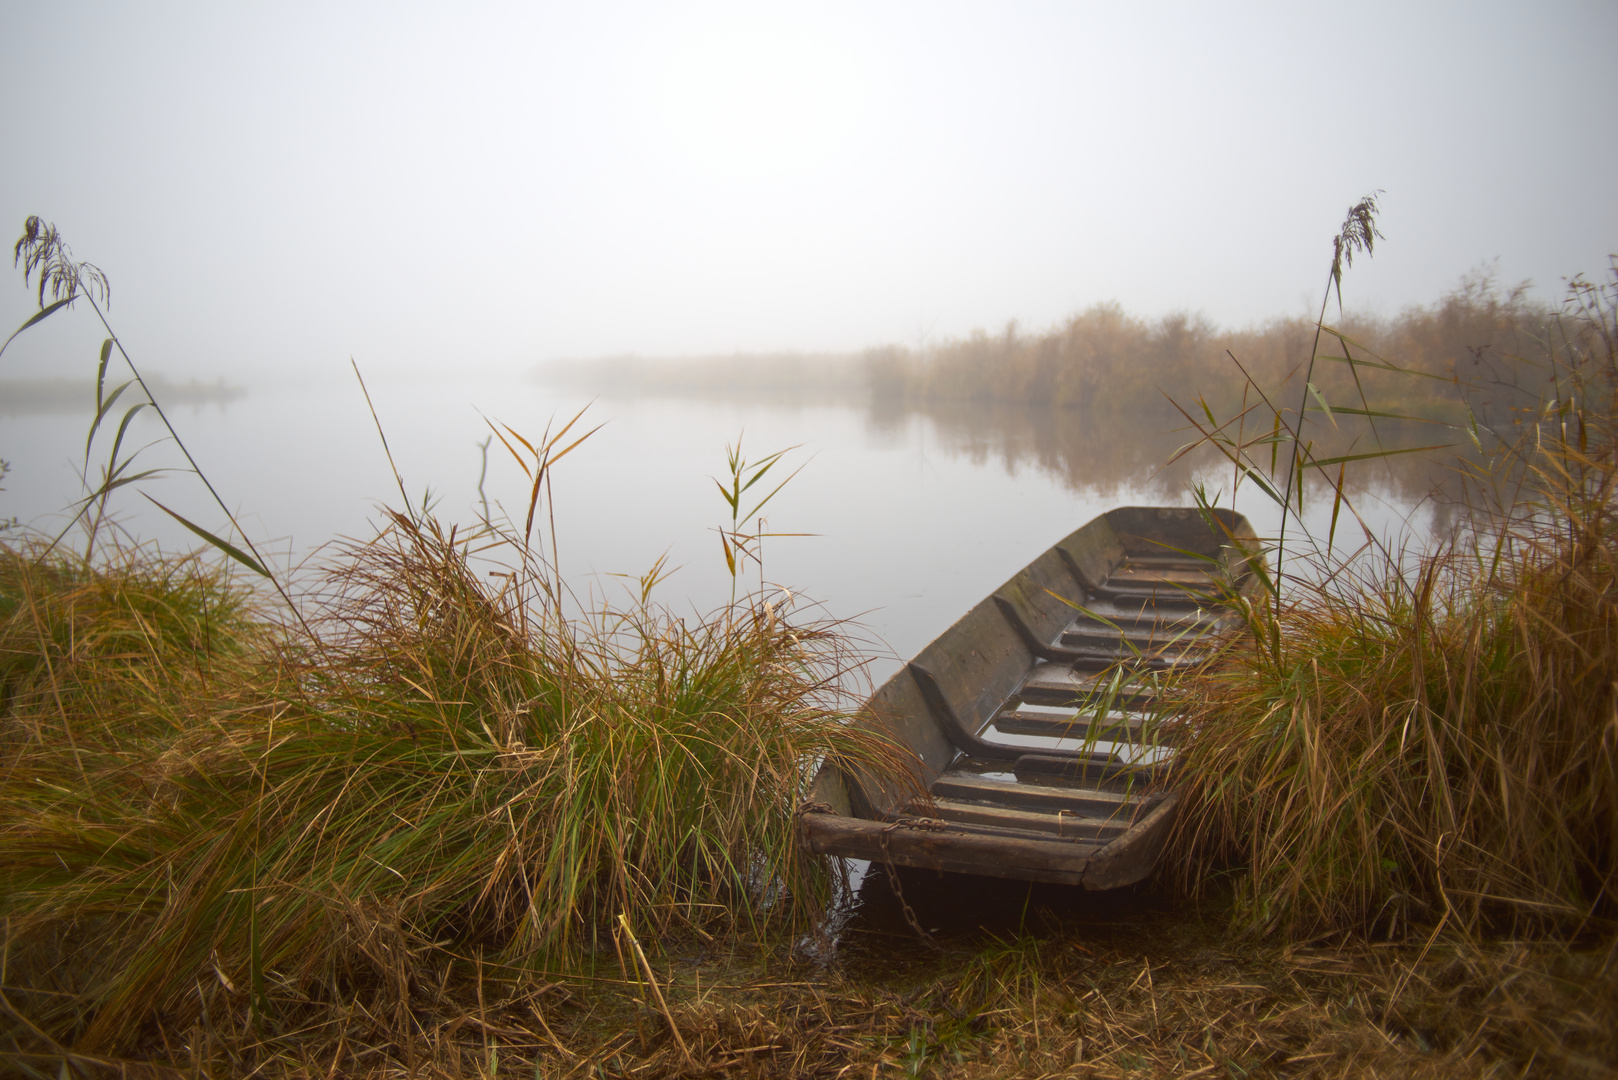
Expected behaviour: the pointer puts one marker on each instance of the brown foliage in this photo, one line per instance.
(1107, 359)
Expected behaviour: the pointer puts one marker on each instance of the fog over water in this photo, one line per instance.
(453, 198)
(913, 516)
(273, 189)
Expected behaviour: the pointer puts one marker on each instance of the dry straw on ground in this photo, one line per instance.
(1120, 991)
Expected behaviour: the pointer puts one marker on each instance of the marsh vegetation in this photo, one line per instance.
(420, 810)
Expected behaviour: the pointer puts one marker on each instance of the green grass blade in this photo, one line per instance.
(102, 409)
(101, 369)
(118, 440)
(1373, 454)
(1336, 504)
(38, 316)
(223, 545)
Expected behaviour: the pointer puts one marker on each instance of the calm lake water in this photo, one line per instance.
(914, 516)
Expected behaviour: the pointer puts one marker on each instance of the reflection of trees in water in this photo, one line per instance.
(1107, 452)
(1085, 451)
(1090, 402)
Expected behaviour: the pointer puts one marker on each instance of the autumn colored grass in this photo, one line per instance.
(201, 809)
(1427, 741)
(427, 816)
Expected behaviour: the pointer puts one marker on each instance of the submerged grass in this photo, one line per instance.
(201, 813)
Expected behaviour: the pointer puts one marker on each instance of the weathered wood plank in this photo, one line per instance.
(1167, 562)
(1113, 726)
(1133, 575)
(940, 847)
(1106, 775)
(1060, 824)
(1157, 594)
(1148, 637)
(1131, 857)
(1059, 684)
(1085, 802)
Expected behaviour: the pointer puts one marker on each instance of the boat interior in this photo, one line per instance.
(1032, 718)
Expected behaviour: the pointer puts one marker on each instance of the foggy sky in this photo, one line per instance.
(442, 187)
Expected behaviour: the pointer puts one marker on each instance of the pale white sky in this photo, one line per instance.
(444, 187)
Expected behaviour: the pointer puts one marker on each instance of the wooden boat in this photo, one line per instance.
(1030, 719)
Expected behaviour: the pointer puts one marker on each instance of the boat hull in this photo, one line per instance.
(1031, 719)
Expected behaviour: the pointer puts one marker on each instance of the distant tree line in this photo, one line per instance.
(1476, 346)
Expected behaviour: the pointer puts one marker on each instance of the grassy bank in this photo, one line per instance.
(206, 813)
(1064, 984)
(398, 844)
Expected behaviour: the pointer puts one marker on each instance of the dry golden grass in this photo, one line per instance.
(1431, 739)
(199, 809)
(1108, 990)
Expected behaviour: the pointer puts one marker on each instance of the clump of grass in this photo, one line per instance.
(207, 820)
(105, 646)
(1431, 738)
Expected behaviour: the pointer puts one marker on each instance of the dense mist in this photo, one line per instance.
(478, 189)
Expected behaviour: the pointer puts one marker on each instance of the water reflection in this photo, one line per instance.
(1114, 452)
(1107, 454)
(911, 515)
